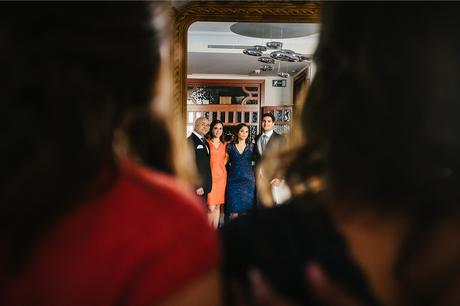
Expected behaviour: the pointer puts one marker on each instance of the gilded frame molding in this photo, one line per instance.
(254, 11)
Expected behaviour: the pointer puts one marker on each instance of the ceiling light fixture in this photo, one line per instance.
(266, 67)
(266, 60)
(279, 54)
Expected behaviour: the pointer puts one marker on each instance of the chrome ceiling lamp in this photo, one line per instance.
(274, 45)
(266, 67)
(272, 32)
(266, 60)
(255, 51)
(252, 52)
(279, 54)
(282, 74)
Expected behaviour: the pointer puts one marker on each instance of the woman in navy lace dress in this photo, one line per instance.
(240, 180)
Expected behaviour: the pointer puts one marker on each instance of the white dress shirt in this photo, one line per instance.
(259, 141)
(203, 140)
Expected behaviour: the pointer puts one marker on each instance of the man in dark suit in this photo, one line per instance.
(267, 141)
(201, 148)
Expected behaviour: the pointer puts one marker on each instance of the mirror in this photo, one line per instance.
(231, 12)
(236, 71)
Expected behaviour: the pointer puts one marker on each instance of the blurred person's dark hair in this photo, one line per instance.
(149, 142)
(71, 73)
(381, 122)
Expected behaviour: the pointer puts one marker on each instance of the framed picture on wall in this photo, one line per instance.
(283, 115)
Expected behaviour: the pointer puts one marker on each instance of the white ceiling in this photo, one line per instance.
(229, 59)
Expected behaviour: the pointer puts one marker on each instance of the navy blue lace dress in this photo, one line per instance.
(241, 185)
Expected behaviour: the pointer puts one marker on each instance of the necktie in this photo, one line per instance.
(205, 144)
(263, 142)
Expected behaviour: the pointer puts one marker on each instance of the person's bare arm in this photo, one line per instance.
(205, 291)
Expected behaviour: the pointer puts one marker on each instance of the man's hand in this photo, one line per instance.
(200, 191)
(275, 182)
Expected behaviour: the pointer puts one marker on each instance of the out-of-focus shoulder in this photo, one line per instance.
(160, 185)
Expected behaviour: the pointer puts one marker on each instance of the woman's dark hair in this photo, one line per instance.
(383, 108)
(71, 72)
(213, 123)
(236, 130)
(144, 137)
(381, 122)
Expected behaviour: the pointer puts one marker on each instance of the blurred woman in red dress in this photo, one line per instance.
(81, 223)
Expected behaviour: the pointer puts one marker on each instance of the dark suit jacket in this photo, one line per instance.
(274, 143)
(202, 162)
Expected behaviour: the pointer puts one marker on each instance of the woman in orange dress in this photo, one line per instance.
(218, 159)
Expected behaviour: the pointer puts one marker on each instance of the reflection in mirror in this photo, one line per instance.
(237, 71)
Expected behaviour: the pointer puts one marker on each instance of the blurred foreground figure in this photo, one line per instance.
(80, 226)
(382, 151)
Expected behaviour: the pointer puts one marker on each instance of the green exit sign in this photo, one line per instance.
(279, 83)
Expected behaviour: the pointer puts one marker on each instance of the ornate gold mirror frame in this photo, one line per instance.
(237, 11)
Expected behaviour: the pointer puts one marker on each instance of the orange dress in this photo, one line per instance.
(219, 174)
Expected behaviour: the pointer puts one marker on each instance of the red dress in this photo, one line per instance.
(134, 245)
(219, 173)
